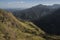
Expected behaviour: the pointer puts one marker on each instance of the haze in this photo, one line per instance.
(25, 3)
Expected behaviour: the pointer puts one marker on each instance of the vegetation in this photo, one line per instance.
(13, 29)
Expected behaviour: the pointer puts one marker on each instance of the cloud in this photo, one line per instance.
(25, 3)
(22, 2)
(17, 4)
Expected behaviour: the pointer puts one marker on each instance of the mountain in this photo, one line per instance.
(36, 11)
(50, 23)
(13, 29)
(56, 6)
(32, 13)
(45, 27)
(45, 17)
(13, 9)
(42, 16)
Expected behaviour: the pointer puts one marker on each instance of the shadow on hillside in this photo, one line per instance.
(50, 23)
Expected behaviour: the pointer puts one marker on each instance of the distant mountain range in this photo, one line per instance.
(34, 12)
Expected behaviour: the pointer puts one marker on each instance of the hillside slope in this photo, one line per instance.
(13, 29)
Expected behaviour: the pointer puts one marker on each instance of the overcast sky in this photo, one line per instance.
(25, 3)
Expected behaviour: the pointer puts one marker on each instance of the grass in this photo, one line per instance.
(14, 29)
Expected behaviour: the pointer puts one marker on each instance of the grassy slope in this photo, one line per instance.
(13, 29)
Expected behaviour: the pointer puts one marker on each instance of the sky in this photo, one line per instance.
(25, 3)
